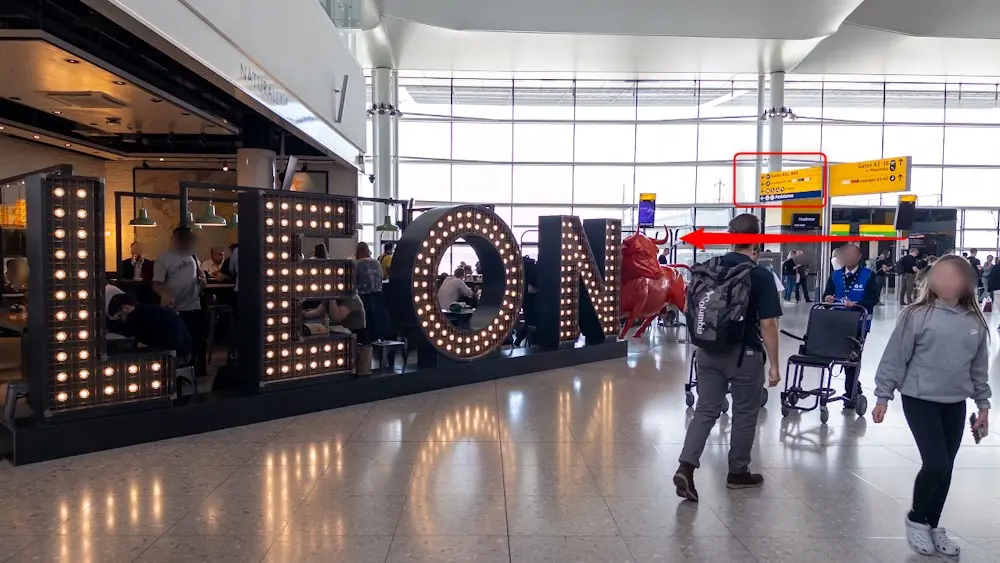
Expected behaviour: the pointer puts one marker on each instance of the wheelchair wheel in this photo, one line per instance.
(785, 411)
(689, 399)
(824, 414)
(763, 397)
(861, 405)
(725, 405)
(792, 398)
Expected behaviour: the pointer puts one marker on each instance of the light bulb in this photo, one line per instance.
(82, 294)
(83, 315)
(132, 387)
(58, 192)
(84, 393)
(110, 389)
(83, 334)
(82, 213)
(84, 374)
(81, 193)
(81, 234)
(60, 254)
(62, 377)
(60, 315)
(59, 233)
(83, 355)
(155, 366)
(109, 371)
(81, 254)
(61, 357)
(60, 336)
(62, 396)
(155, 384)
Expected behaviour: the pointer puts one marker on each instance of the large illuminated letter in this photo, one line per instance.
(275, 279)
(579, 284)
(68, 367)
(413, 282)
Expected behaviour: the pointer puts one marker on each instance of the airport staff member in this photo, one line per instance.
(853, 284)
(907, 269)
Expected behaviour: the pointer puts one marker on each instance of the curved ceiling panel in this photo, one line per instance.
(862, 50)
(424, 47)
(973, 19)
(763, 19)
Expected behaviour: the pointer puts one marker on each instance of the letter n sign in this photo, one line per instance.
(579, 280)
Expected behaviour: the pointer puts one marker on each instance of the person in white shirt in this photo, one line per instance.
(213, 266)
(453, 289)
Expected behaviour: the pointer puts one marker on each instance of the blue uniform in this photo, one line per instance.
(856, 291)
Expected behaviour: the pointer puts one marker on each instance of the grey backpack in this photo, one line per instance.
(717, 301)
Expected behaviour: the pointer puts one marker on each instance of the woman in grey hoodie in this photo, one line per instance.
(937, 357)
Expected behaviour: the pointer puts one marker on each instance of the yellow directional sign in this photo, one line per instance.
(805, 183)
(871, 177)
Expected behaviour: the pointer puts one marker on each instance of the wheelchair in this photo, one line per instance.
(692, 384)
(835, 336)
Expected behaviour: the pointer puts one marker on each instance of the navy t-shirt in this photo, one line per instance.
(764, 302)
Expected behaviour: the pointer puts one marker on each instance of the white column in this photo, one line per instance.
(382, 138)
(394, 96)
(759, 162)
(776, 124)
(255, 168)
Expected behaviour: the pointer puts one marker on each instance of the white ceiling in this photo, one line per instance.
(645, 37)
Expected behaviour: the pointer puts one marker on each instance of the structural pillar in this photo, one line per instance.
(383, 111)
(776, 93)
(394, 122)
(255, 168)
(758, 161)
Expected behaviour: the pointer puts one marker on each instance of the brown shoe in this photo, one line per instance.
(684, 481)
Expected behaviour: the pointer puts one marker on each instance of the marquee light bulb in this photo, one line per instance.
(62, 397)
(60, 254)
(82, 294)
(110, 390)
(155, 384)
(155, 367)
(62, 376)
(81, 193)
(83, 355)
(84, 393)
(132, 387)
(109, 371)
(60, 315)
(133, 369)
(81, 254)
(81, 234)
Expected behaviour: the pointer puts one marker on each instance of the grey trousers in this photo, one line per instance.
(908, 291)
(716, 375)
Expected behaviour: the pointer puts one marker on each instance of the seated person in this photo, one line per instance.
(152, 325)
(136, 267)
(349, 313)
(213, 266)
(453, 290)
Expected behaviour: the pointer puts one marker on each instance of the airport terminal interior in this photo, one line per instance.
(374, 281)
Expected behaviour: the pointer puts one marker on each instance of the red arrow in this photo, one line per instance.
(700, 238)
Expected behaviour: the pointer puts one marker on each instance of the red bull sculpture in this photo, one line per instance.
(648, 287)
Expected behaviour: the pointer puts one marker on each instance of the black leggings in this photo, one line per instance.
(938, 429)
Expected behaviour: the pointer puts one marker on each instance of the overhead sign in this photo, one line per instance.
(805, 183)
(844, 229)
(647, 210)
(881, 176)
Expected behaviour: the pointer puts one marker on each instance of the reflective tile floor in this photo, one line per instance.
(565, 466)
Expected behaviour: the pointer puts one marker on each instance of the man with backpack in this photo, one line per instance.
(732, 317)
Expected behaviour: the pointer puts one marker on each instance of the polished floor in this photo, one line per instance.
(565, 466)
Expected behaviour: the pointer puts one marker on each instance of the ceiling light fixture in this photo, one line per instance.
(225, 167)
(57, 112)
(387, 226)
(778, 113)
(162, 159)
(209, 218)
(69, 145)
(35, 137)
(119, 82)
(73, 61)
(142, 219)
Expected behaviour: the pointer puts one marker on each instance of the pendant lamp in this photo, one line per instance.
(209, 218)
(190, 223)
(234, 219)
(387, 226)
(142, 220)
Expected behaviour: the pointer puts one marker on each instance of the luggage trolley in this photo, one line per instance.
(692, 384)
(835, 336)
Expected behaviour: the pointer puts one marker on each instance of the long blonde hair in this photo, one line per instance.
(926, 296)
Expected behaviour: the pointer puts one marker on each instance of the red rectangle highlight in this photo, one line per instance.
(758, 205)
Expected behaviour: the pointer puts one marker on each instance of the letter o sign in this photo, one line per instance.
(414, 273)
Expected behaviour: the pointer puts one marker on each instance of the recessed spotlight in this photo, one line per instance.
(35, 137)
(1, 127)
(73, 61)
(162, 159)
(156, 100)
(69, 145)
(57, 112)
(225, 168)
(119, 82)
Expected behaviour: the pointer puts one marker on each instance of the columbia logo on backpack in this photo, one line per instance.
(720, 294)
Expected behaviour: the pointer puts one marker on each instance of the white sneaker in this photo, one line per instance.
(943, 544)
(919, 537)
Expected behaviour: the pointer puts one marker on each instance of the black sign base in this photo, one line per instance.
(28, 441)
